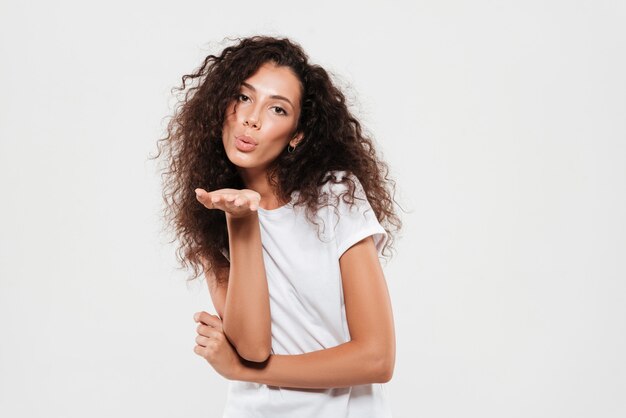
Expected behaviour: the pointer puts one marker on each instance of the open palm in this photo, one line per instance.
(237, 203)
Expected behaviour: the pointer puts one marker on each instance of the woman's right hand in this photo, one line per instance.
(236, 203)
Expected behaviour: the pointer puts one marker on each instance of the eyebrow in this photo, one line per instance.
(274, 96)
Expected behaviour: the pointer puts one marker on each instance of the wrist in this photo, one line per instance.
(241, 227)
(241, 219)
(240, 372)
(249, 371)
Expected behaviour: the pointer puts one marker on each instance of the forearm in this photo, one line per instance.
(246, 320)
(347, 364)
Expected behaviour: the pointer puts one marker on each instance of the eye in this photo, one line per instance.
(242, 97)
(280, 110)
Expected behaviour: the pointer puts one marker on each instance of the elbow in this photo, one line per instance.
(384, 365)
(255, 355)
(256, 350)
(385, 373)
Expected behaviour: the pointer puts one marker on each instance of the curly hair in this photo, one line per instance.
(195, 155)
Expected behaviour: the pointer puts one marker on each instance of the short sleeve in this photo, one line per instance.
(225, 253)
(354, 222)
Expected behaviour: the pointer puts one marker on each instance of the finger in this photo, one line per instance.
(201, 194)
(208, 319)
(208, 331)
(247, 200)
(202, 341)
(254, 200)
(230, 203)
(241, 202)
(229, 197)
(224, 202)
(215, 198)
(199, 350)
(211, 320)
(253, 205)
(205, 318)
(205, 198)
(248, 203)
(219, 201)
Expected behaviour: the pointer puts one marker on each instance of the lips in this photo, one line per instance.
(245, 143)
(247, 139)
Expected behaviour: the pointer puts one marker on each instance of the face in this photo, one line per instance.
(262, 121)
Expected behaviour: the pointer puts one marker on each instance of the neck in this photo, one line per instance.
(256, 179)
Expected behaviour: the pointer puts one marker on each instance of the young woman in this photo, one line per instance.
(287, 225)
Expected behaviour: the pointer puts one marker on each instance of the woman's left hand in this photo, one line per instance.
(213, 345)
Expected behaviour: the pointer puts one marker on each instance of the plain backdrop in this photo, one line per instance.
(503, 124)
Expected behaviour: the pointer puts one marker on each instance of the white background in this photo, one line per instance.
(503, 123)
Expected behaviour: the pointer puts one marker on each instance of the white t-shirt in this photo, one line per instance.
(307, 306)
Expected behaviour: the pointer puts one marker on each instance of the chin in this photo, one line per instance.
(237, 160)
(245, 163)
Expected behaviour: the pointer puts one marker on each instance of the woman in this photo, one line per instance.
(286, 225)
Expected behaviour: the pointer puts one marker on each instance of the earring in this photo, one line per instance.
(290, 150)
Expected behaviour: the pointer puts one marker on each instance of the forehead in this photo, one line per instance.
(271, 79)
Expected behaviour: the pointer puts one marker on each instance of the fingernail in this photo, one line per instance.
(196, 315)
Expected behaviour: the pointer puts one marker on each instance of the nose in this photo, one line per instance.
(251, 119)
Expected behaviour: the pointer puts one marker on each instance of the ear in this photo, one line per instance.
(296, 139)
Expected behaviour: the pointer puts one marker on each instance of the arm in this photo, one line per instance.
(246, 311)
(370, 355)
(217, 290)
(243, 304)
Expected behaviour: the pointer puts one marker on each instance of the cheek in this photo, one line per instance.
(229, 115)
(230, 121)
(281, 128)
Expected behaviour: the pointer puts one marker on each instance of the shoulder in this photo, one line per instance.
(353, 217)
(344, 193)
(339, 182)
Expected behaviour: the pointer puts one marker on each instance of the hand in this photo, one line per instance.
(213, 345)
(236, 203)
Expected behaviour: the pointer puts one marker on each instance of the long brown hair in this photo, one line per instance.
(195, 155)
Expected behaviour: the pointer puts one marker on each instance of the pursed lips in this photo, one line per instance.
(247, 139)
